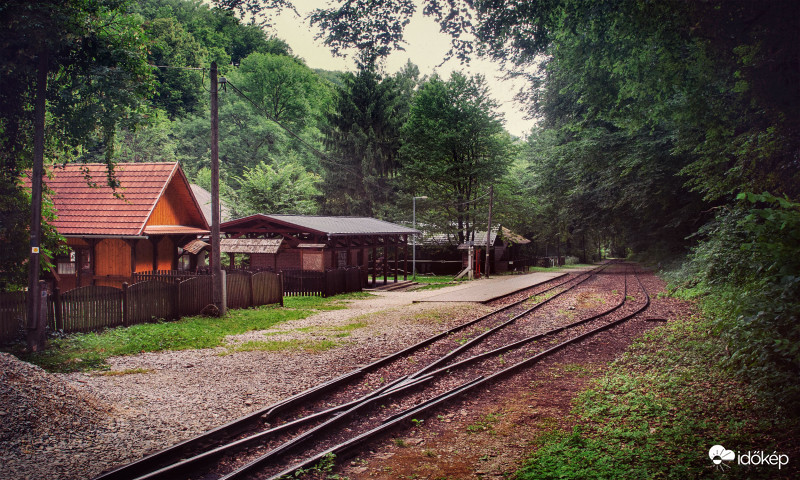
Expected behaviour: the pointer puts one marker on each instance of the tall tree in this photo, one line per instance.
(286, 89)
(283, 188)
(363, 137)
(455, 146)
(94, 57)
(176, 52)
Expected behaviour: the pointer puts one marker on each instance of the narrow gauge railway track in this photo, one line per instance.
(326, 405)
(422, 391)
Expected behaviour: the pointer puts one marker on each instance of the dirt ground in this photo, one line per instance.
(489, 435)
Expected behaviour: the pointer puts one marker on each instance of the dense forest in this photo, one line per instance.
(668, 131)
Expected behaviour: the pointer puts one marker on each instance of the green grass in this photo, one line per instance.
(89, 351)
(658, 411)
(434, 282)
(349, 327)
(486, 424)
(311, 346)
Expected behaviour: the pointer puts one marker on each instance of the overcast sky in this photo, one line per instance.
(425, 47)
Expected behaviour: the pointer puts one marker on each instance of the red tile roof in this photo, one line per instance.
(94, 210)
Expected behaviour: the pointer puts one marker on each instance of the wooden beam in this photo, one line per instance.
(396, 238)
(405, 257)
(374, 264)
(132, 245)
(154, 244)
(385, 259)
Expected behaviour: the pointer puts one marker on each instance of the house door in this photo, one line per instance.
(112, 262)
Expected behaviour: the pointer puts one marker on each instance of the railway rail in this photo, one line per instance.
(338, 416)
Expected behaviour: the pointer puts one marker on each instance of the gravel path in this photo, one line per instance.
(78, 425)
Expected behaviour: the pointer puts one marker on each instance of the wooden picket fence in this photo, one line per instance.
(174, 276)
(154, 297)
(303, 283)
(324, 284)
(169, 295)
(89, 308)
(151, 299)
(13, 315)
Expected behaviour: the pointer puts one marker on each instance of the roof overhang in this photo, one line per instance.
(100, 237)
(195, 246)
(250, 245)
(174, 230)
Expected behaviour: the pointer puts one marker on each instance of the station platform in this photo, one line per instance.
(485, 290)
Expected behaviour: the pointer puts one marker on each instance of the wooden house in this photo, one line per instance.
(318, 243)
(502, 250)
(146, 224)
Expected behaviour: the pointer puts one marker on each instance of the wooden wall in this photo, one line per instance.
(112, 258)
(144, 256)
(167, 254)
(175, 207)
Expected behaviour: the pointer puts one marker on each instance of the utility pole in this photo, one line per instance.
(489, 229)
(414, 237)
(216, 265)
(36, 327)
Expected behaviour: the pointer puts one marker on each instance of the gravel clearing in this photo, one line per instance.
(75, 426)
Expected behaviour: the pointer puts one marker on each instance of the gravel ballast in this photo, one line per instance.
(75, 426)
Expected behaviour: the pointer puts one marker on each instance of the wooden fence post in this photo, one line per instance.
(125, 304)
(57, 308)
(251, 302)
(178, 303)
(37, 326)
(280, 283)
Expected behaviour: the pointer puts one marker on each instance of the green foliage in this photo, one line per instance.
(175, 51)
(748, 271)
(286, 188)
(658, 411)
(363, 136)
(15, 214)
(284, 87)
(90, 350)
(454, 149)
(94, 58)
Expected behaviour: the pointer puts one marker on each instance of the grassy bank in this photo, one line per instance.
(89, 351)
(660, 409)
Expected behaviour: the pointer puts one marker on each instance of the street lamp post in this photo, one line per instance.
(414, 239)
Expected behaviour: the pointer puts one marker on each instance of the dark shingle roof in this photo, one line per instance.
(203, 197)
(343, 225)
(332, 225)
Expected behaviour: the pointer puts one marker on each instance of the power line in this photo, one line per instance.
(179, 68)
(260, 108)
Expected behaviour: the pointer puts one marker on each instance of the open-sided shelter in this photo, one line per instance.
(502, 250)
(318, 243)
(142, 225)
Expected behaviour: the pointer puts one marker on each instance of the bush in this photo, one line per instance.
(747, 269)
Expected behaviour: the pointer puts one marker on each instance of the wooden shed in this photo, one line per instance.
(318, 243)
(502, 250)
(151, 219)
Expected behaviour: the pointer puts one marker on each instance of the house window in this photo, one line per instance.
(342, 259)
(312, 260)
(86, 260)
(66, 264)
(184, 263)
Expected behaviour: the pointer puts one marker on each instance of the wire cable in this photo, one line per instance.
(323, 156)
